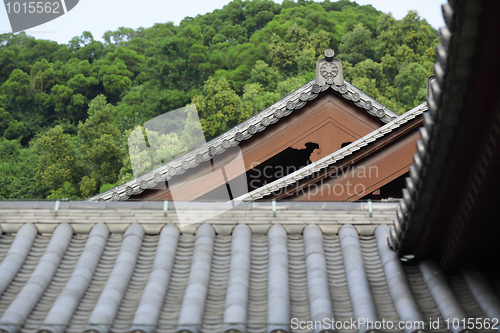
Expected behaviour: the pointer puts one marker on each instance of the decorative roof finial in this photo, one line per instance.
(329, 70)
(329, 54)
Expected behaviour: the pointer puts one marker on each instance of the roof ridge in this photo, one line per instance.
(53, 208)
(152, 216)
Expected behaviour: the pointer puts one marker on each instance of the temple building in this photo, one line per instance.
(326, 141)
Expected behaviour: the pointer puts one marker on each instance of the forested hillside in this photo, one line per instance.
(66, 110)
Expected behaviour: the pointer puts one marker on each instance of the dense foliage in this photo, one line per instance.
(66, 110)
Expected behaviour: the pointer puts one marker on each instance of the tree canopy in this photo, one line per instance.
(66, 110)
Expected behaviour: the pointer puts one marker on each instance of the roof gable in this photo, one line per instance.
(334, 157)
(319, 129)
(276, 113)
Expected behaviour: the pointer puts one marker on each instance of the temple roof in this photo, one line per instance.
(449, 207)
(246, 130)
(126, 267)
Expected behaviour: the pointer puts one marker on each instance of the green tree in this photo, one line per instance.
(18, 168)
(100, 147)
(58, 162)
(60, 98)
(217, 106)
(410, 84)
(266, 75)
(43, 76)
(17, 87)
(66, 191)
(85, 47)
(357, 45)
(115, 79)
(9, 127)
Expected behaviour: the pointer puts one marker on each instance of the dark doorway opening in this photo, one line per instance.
(278, 166)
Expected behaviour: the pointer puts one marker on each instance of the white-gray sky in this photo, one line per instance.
(97, 16)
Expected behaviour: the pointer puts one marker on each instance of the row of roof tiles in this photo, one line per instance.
(446, 102)
(422, 164)
(243, 282)
(153, 215)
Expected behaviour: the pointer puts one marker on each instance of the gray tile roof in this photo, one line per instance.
(245, 271)
(453, 140)
(244, 131)
(445, 100)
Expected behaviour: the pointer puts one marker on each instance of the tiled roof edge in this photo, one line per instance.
(160, 205)
(244, 131)
(333, 157)
(439, 123)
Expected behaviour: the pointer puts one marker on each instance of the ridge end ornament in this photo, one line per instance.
(129, 190)
(329, 54)
(329, 70)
